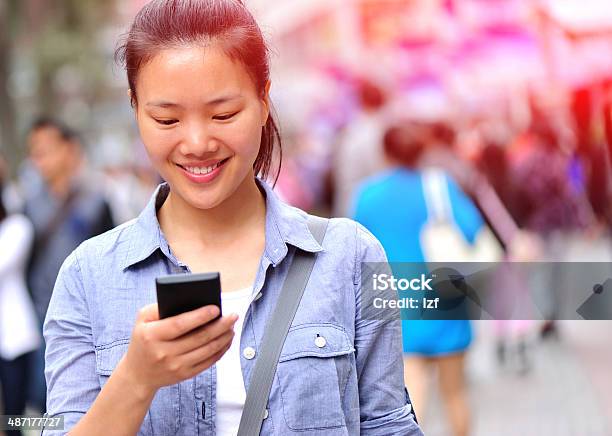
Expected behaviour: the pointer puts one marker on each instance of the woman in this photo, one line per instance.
(19, 332)
(428, 344)
(198, 79)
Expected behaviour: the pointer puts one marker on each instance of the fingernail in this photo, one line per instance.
(212, 310)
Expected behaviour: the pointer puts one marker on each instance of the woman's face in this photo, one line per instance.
(200, 118)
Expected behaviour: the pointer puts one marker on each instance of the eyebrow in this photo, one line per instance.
(214, 102)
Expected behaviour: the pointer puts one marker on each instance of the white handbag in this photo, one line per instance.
(441, 239)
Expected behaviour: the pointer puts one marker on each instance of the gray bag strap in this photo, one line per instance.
(276, 332)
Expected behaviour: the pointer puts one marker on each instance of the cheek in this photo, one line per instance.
(247, 138)
(56, 161)
(158, 143)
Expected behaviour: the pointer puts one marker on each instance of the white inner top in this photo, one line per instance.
(230, 386)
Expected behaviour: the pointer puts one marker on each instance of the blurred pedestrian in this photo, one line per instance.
(395, 206)
(66, 209)
(513, 290)
(550, 200)
(358, 153)
(19, 331)
(549, 184)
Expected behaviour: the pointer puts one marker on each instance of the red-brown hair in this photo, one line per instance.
(163, 24)
(404, 143)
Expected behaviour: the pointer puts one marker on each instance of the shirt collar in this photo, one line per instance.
(285, 225)
(145, 235)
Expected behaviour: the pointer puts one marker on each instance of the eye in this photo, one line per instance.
(166, 122)
(225, 117)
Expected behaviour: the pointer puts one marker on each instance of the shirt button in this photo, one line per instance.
(248, 353)
(320, 341)
(265, 414)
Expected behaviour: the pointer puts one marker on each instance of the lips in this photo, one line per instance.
(205, 172)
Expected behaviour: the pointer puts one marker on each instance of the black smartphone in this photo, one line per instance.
(179, 293)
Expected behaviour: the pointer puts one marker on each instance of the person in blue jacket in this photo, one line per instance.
(392, 205)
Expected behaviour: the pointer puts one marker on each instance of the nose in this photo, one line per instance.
(199, 140)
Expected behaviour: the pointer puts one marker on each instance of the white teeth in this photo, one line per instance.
(202, 170)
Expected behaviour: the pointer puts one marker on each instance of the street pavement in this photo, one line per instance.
(567, 392)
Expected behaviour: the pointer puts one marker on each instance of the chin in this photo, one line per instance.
(202, 200)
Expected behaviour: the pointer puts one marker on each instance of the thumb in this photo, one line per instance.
(148, 313)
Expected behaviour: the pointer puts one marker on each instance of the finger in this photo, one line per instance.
(207, 363)
(200, 354)
(171, 328)
(203, 335)
(148, 313)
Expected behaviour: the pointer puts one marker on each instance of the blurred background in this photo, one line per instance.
(512, 99)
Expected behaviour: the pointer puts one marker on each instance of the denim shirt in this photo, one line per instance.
(352, 384)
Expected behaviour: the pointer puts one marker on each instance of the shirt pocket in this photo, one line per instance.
(164, 413)
(313, 371)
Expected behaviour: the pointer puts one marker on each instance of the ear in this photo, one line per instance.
(265, 99)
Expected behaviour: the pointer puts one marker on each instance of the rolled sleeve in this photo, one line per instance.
(72, 383)
(384, 405)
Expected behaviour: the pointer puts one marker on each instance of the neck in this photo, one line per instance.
(60, 186)
(242, 212)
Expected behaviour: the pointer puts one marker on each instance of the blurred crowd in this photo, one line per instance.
(526, 193)
(439, 166)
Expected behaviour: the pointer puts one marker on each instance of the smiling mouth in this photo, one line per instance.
(198, 171)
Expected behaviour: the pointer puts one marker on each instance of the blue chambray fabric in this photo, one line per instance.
(351, 385)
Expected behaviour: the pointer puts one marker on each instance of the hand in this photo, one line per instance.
(168, 351)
